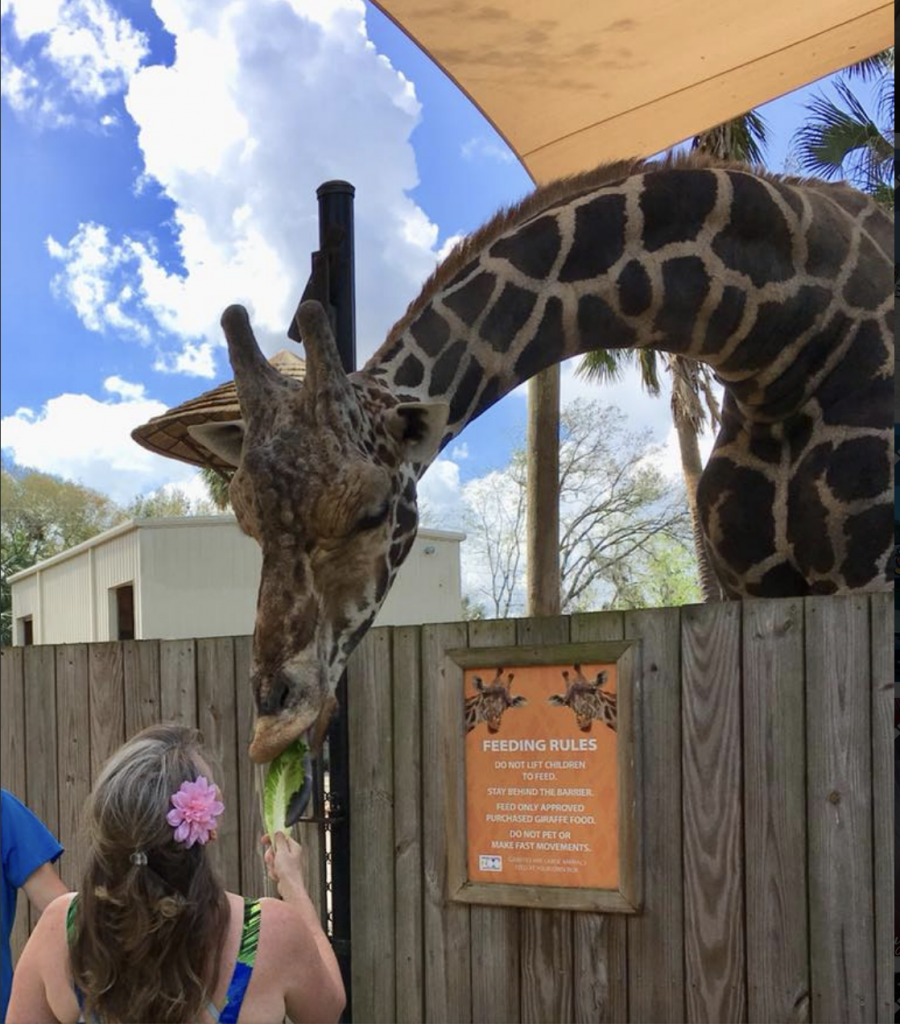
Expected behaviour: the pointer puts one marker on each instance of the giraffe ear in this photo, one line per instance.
(225, 439)
(419, 427)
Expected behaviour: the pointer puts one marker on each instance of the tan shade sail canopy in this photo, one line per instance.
(573, 83)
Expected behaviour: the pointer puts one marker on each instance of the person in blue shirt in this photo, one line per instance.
(29, 850)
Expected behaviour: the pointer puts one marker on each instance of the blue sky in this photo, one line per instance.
(160, 162)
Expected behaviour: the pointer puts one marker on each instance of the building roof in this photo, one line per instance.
(169, 434)
(194, 522)
(572, 85)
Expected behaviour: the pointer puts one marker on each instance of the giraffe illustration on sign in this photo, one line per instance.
(587, 700)
(783, 286)
(490, 701)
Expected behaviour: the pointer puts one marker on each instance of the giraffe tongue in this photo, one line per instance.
(300, 800)
(314, 738)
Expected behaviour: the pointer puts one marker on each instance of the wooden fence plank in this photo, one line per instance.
(408, 909)
(107, 699)
(547, 964)
(12, 758)
(599, 941)
(41, 740)
(178, 682)
(496, 969)
(217, 715)
(882, 617)
(839, 800)
(373, 978)
(775, 812)
(254, 881)
(715, 966)
(73, 716)
(448, 950)
(141, 668)
(656, 936)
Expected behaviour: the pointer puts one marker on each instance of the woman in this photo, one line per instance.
(152, 935)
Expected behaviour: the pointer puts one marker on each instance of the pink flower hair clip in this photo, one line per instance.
(196, 807)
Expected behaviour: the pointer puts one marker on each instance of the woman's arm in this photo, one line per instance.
(43, 886)
(28, 1002)
(317, 993)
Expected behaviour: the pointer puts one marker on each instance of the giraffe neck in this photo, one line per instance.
(759, 277)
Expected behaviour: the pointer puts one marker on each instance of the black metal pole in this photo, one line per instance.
(336, 240)
(336, 243)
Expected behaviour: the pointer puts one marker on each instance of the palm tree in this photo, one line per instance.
(217, 482)
(742, 139)
(843, 140)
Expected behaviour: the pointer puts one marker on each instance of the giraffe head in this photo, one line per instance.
(495, 698)
(580, 696)
(325, 481)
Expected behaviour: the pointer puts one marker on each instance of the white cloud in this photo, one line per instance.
(192, 360)
(264, 102)
(460, 451)
(479, 148)
(80, 52)
(83, 438)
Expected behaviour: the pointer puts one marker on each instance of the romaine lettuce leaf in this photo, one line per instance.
(284, 777)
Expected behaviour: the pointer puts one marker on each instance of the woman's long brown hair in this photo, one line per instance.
(148, 937)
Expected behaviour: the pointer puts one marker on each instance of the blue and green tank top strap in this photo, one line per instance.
(243, 968)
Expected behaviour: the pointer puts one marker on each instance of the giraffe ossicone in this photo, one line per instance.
(783, 286)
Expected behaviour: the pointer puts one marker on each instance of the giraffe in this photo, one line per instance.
(490, 701)
(781, 285)
(587, 700)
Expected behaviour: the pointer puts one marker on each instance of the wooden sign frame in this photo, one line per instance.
(626, 898)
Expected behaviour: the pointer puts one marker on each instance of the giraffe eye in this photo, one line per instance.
(373, 519)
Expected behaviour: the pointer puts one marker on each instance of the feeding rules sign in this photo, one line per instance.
(542, 775)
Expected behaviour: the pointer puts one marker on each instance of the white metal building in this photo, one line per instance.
(170, 579)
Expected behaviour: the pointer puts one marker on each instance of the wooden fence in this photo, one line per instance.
(766, 794)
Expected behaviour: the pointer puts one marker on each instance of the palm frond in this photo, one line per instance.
(872, 68)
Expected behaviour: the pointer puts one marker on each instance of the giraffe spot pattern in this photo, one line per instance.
(410, 372)
(866, 534)
(865, 290)
(635, 290)
(776, 324)
(782, 580)
(725, 319)
(675, 206)
(786, 392)
(445, 368)
(756, 240)
(430, 330)
(686, 285)
(855, 375)
(469, 301)
(827, 239)
(599, 239)
(598, 325)
(488, 396)
(858, 469)
(744, 500)
(807, 524)
(532, 249)
(547, 345)
(465, 390)
(507, 317)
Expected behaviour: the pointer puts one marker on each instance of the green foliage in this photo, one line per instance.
(217, 487)
(284, 777)
(843, 139)
(43, 515)
(743, 139)
(168, 504)
(664, 575)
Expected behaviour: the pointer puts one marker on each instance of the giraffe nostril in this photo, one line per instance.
(274, 697)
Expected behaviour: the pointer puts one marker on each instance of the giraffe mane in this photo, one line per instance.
(554, 192)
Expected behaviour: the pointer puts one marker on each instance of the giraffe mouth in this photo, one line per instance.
(273, 733)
